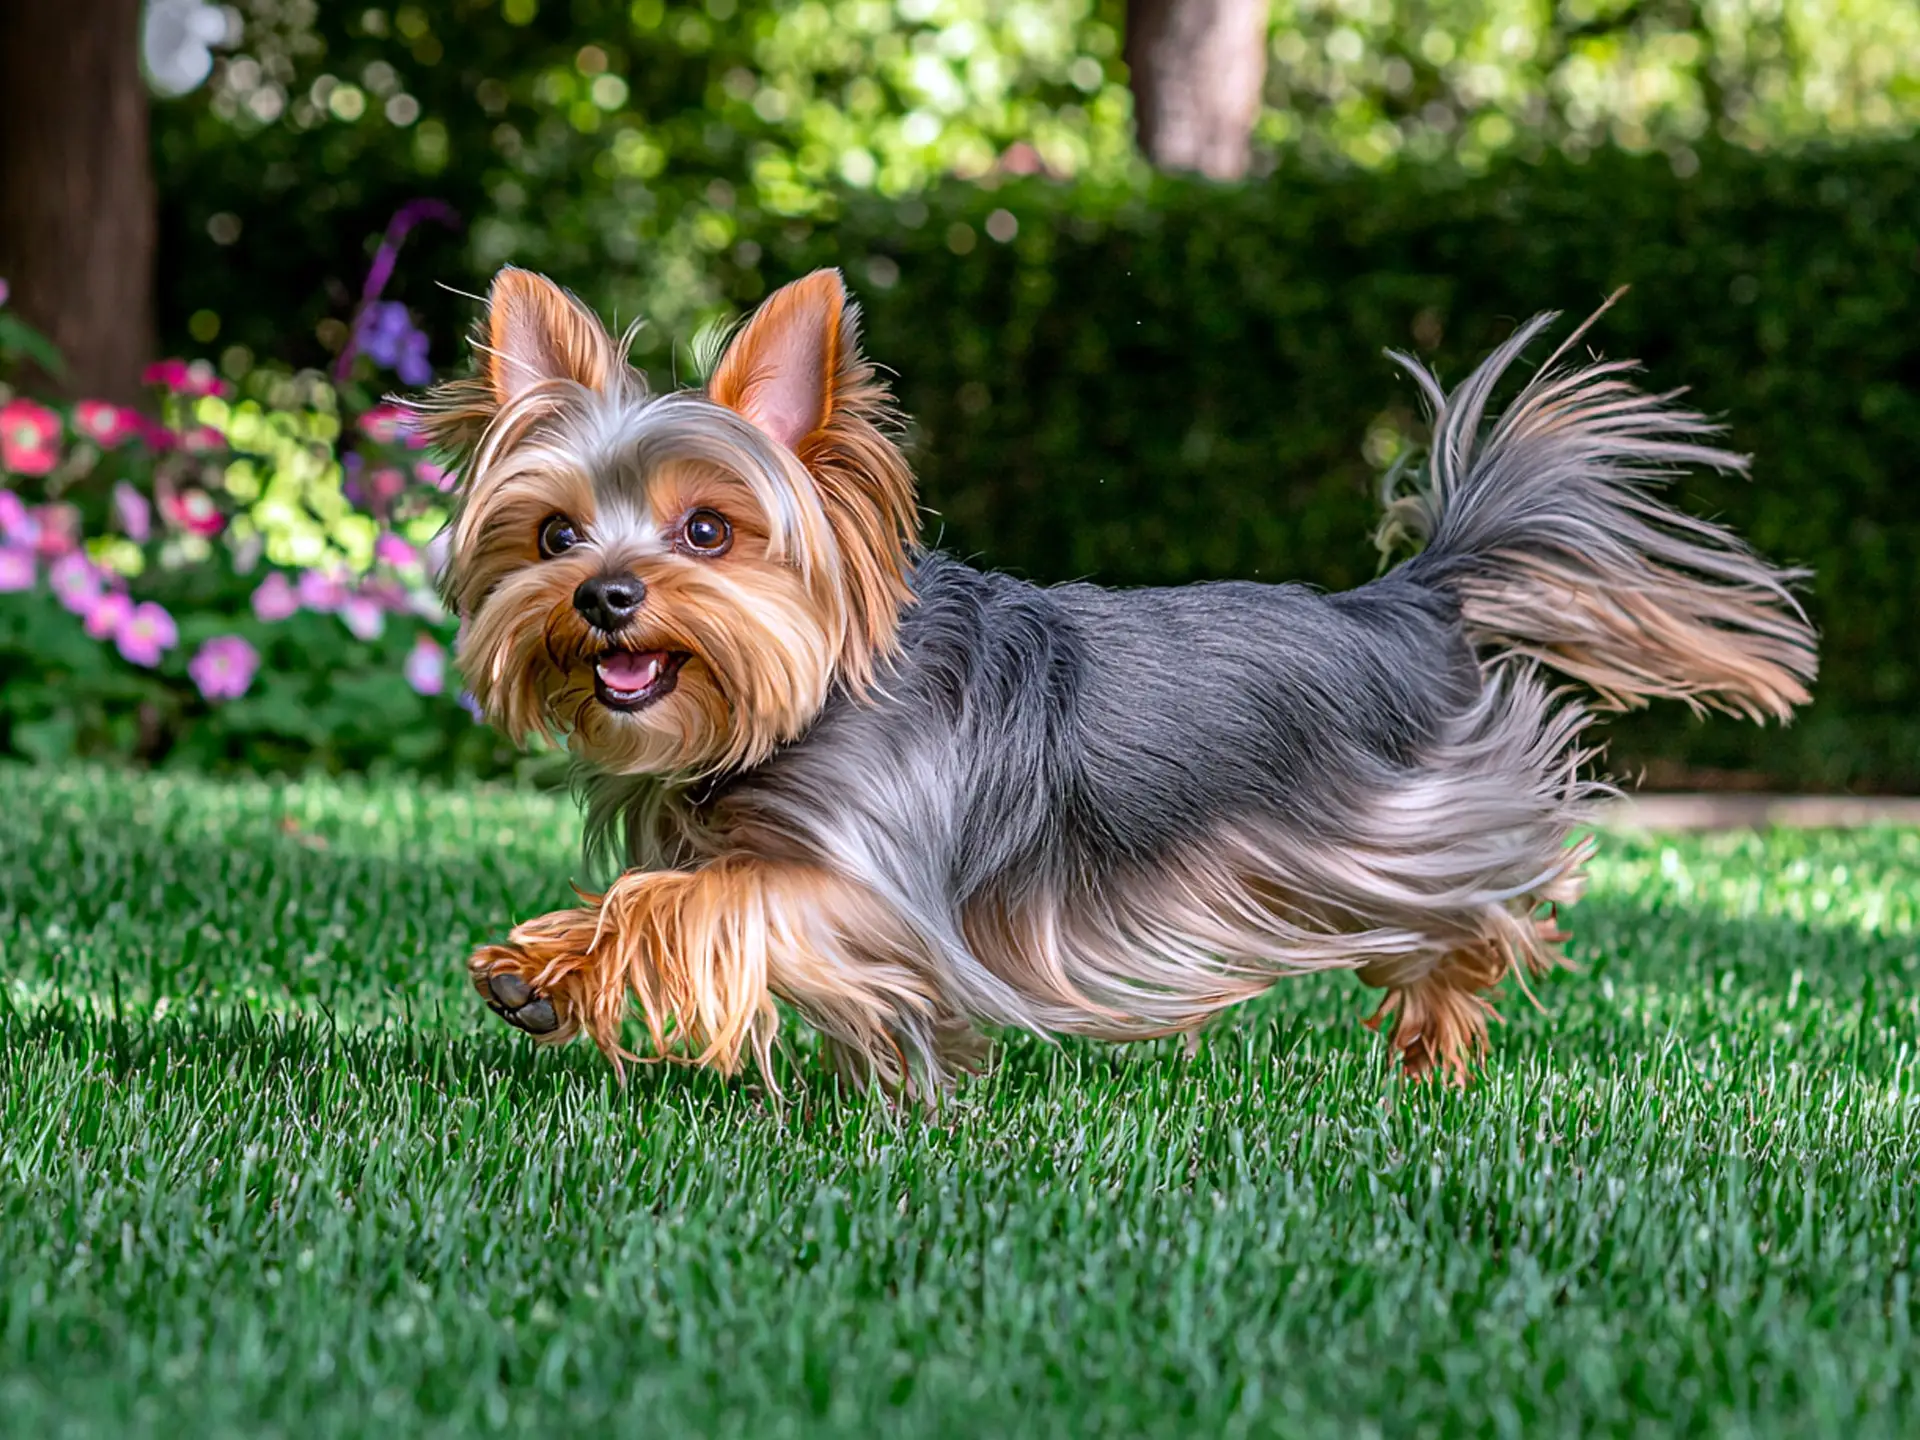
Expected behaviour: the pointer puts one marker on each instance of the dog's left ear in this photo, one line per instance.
(783, 368)
(795, 371)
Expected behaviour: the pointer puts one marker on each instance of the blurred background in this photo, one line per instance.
(1134, 264)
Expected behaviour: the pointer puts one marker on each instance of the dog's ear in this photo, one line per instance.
(535, 332)
(796, 372)
(783, 368)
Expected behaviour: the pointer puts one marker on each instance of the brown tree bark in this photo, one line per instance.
(77, 208)
(1197, 69)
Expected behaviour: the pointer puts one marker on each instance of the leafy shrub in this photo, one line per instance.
(227, 582)
(1163, 384)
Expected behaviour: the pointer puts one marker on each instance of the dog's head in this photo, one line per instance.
(674, 582)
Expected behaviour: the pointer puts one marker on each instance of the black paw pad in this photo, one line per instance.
(515, 1002)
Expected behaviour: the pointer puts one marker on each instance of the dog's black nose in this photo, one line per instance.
(607, 602)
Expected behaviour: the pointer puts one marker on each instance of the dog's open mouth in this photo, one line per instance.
(634, 679)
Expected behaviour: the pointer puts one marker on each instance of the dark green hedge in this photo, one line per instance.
(1163, 387)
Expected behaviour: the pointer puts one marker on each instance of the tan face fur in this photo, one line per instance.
(763, 524)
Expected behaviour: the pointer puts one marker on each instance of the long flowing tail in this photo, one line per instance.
(1548, 532)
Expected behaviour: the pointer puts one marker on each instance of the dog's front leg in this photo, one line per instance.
(702, 953)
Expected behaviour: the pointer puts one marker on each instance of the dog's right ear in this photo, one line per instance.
(534, 333)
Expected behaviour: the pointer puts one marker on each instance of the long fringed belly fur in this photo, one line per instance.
(1432, 891)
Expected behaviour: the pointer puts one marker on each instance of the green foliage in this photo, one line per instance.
(269, 1168)
(1185, 382)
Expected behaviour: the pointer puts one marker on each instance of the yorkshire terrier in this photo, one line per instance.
(913, 799)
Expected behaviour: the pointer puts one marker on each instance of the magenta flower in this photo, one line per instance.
(146, 634)
(390, 549)
(29, 438)
(193, 510)
(17, 524)
(426, 667)
(428, 473)
(177, 377)
(104, 423)
(224, 667)
(18, 569)
(275, 599)
(170, 375)
(76, 584)
(109, 611)
(157, 437)
(202, 440)
(321, 591)
(135, 514)
(5, 291)
(59, 529)
(386, 423)
(363, 616)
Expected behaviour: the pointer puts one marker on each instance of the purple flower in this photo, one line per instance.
(472, 707)
(363, 616)
(426, 667)
(389, 338)
(4, 292)
(109, 610)
(18, 569)
(224, 667)
(135, 514)
(76, 583)
(16, 521)
(146, 634)
(390, 549)
(436, 553)
(275, 599)
(322, 591)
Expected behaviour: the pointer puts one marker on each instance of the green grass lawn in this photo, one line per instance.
(267, 1167)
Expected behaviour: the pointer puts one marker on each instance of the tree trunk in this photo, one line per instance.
(76, 186)
(1197, 69)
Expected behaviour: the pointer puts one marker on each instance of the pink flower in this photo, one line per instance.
(193, 510)
(363, 616)
(169, 374)
(4, 292)
(202, 440)
(428, 473)
(16, 523)
(387, 594)
(18, 569)
(275, 599)
(426, 667)
(146, 634)
(224, 667)
(59, 529)
(75, 583)
(177, 377)
(321, 591)
(436, 553)
(135, 514)
(386, 423)
(104, 423)
(29, 438)
(109, 611)
(390, 549)
(157, 437)
(386, 482)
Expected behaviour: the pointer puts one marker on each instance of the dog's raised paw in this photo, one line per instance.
(515, 1002)
(510, 997)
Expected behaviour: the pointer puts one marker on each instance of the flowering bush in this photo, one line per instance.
(241, 575)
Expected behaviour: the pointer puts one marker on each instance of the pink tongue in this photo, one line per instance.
(632, 670)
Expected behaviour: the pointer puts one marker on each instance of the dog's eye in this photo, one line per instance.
(706, 532)
(557, 535)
